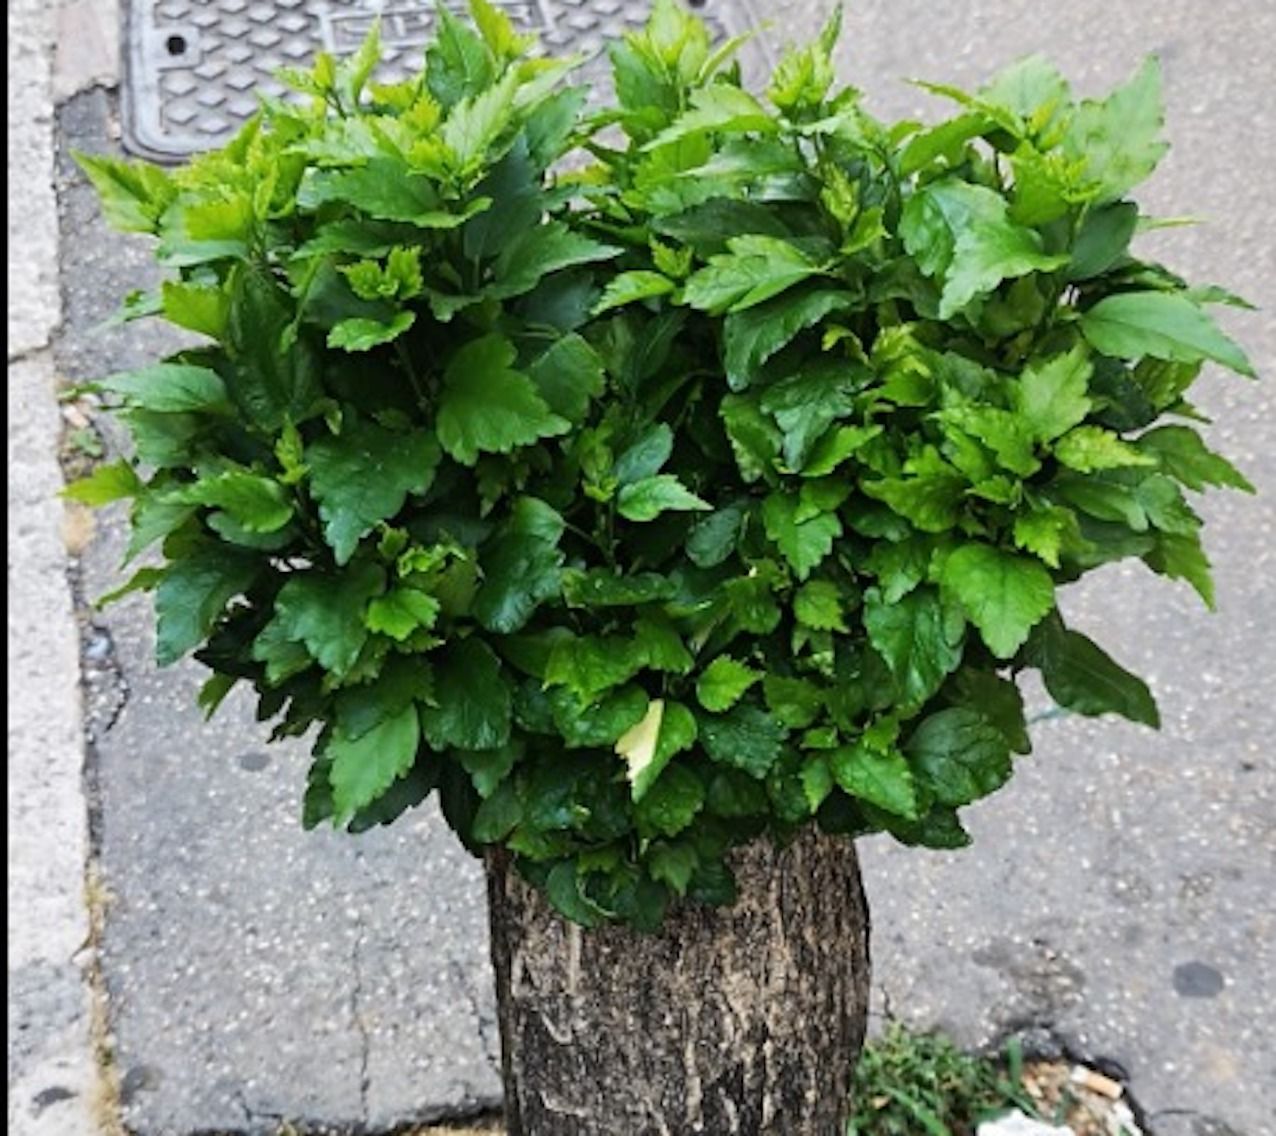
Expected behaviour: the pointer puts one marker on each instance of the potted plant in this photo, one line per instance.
(676, 515)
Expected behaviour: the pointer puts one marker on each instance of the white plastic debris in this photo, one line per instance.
(1016, 1124)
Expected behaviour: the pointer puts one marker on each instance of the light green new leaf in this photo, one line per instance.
(645, 500)
(1090, 448)
(365, 767)
(1118, 138)
(1004, 595)
(1132, 325)
(363, 475)
(196, 307)
(134, 195)
(817, 604)
(477, 121)
(360, 334)
(402, 611)
(487, 406)
(723, 683)
(719, 108)
(629, 287)
(755, 269)
(1046, 531)
(1050, 396)
(110, 482)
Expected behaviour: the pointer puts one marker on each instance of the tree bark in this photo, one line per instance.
(739, 1021)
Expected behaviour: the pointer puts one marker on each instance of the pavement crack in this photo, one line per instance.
(491, 1044)
(356, 1013)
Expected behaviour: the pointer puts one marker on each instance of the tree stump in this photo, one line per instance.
(737, 1021)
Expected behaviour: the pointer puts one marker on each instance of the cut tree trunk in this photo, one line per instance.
(737, 1021)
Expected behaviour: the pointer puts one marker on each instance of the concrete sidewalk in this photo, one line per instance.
(1118, 896)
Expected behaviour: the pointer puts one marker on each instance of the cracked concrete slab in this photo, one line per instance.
(255, 972)
(52, 1075)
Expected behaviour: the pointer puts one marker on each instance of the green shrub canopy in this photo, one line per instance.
(648, 504)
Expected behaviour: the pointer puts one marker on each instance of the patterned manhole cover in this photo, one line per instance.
(193, 68)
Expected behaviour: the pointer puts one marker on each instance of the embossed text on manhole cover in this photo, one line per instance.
(193, 68)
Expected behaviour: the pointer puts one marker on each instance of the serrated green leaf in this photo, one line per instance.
(487, 406)
(402, 611)
(541, 250)
(364, 768)
(1090, 448)
(745, 737)
(591, 665)
(196, 307)
(648, 746)
(1050, 396)
(134, 195)
(818, 604)
(170, 388)
(359, 334)
(113, 481)
(882, 778)
(919, 636)
(568, 375)
(327, 613)
(723, 683)
(194, 593)
(1162, 325)
(630, 287)
(645, 500)
(804, 543)
(671, 803)
(258, 504)
(960, 754)
(458, 63)
(364, 475)
(1118, 137)
(520, 567)
(794, 702)
(600, 587)
(1082, 677)
(472, 705)
(1181, 453)
(1180, 556)
(1046, 531)
(755, 269)
(1004, 595)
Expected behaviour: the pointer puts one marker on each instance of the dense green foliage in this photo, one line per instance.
(715, 478)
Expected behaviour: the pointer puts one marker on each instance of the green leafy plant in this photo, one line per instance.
(651, 480)
(907, 1084)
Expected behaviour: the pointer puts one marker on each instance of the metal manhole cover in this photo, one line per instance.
(193, 68)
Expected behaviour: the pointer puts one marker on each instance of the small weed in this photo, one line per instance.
(910, 1084)
(85, 442)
